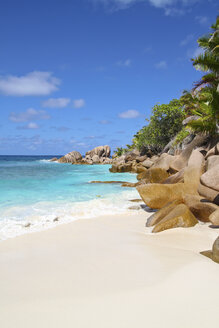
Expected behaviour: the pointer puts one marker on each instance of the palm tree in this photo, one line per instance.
(206, 90)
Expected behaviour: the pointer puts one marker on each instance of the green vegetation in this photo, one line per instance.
(202, 102)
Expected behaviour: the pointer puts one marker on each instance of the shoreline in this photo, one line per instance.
(109, 272)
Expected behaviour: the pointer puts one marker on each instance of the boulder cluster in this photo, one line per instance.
(184, 187)
(98, 155)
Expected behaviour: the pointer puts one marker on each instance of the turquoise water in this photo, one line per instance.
(35, 192)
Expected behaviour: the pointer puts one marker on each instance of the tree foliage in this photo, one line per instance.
(165, 122)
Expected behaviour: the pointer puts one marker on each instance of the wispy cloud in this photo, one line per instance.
(60, 128)
(105, 122)
(56, 102)
(131, 113)
(187, 40)
(124, 63)
(203, 20)
(79, 103)
(192, 53)
(170, 7)
(32, 84)
(29, 126)
(30, 114)
(161, 64)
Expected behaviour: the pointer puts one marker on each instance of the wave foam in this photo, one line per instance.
(18, 220)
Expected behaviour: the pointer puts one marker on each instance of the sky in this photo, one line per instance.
(75, 74)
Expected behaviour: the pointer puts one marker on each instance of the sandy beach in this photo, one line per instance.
(109, 272)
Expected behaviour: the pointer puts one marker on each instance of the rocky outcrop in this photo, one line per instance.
(72, 157)
(180, 216)
(201, 209)
(100, 151)
(214, 253)
(159, 215)
(158, 195)
(182, 160)
(210, 178)
(153, 175)
(98, 155)
(214, 218)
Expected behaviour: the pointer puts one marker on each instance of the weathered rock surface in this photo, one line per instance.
(211, 178)
(193, 172)
(199, 207)
(213, 151)
(214, 254)
(131, 155)
(100, 151)
(209, 193)
(182, 160)
(54, 159)
(212, 161)
(72, 157)
(147, 163)
(121, 168)
(175, 178)
(153, 175)
(180, 216)
(158, 195)
(214, 218)
(159, 215)
(140, 159)
(164, 161)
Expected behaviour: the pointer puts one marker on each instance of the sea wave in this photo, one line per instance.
(22, 219)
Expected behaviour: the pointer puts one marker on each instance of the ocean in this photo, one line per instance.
(37, 194)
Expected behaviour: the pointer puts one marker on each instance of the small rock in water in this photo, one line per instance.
(136, 208)
(27, 225)
(136, 200)
(56, 219)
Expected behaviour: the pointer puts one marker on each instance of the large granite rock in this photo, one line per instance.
(164, 161)
(214, 254)
(72, 157)
(159, 215)
(100, 151)
(132, 155)
(182, 160)
(201, 209)
(158, 195)
(175, 178)
(120, 168)
(147, 163)
(180, 216)
(214, 218)
(212, 161)
(213, 151)
(209, 193)
(153, 175)
(211, 178)
(193, 172)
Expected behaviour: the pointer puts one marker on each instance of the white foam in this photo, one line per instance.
(18, 220)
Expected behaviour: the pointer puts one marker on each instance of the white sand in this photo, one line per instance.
(109, 273)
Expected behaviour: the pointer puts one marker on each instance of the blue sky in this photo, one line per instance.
(75, 74)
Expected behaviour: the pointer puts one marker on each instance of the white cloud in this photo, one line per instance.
(203, 20)
(29, 126)
(30, 114)
(56, 102)
(186, 40)
(124, 63)
(79, 103)
(161, 65)
(171, 7)
(131, 113)
(192, 53)
(104, 122)
(32, 84)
